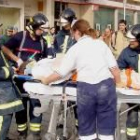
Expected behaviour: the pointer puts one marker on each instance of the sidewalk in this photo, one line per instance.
(13, 129)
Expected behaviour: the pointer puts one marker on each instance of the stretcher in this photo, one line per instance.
(60, 94)
(64, 91)
(56, 92)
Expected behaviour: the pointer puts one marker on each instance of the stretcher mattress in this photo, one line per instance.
(48, 90)
(39, 88)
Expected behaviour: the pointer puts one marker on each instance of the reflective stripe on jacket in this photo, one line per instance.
(10, 101)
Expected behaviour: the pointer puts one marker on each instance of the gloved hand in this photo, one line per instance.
(19, 62)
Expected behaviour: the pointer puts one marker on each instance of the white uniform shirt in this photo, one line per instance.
(92, 60)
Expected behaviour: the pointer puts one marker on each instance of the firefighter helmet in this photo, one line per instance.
(39, 20)
(67, 17)
(134, 33)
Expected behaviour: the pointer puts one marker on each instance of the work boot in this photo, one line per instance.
(131, 137)
(34, 137)
(22, 135)
(7, 138)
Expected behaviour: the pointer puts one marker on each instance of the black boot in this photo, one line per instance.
(22, 135)
(7, 138)
(131, 137)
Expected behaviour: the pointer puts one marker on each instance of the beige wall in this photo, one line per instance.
(87, 13)
(83, 11)
(12, 12)
(76, 8)
(9, 16)
(49, 11)
(30, 7)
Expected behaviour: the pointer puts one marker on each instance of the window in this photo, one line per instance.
(59, 7)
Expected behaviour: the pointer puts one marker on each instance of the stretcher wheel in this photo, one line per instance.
(71, 131)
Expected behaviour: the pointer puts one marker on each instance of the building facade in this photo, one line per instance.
(99, 13)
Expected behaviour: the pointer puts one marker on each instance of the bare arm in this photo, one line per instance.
(116, 74)
(47, 80)
(9, 54)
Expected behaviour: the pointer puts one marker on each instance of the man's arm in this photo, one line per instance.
(9, 54)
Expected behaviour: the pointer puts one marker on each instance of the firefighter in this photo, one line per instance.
(10, 99)
(20, 48)
(63, 40)
(130, 58)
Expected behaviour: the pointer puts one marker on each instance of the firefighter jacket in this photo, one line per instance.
(10, 101)
(63, 41)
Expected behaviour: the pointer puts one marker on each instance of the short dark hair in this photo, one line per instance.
(122, 21)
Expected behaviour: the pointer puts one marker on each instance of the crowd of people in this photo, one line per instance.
(96, 58)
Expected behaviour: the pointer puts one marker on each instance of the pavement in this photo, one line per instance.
(13, 129)
(13, 134)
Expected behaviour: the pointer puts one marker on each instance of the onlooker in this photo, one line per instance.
(15, 30)
(130, 58)
(107, 38)
(98, 33)
(52, 31)
(49, 38)
(7, 35)
(96, 89)
(119, 39)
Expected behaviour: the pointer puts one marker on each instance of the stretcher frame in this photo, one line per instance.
(50, 135)
(59, 100)
(121, 99)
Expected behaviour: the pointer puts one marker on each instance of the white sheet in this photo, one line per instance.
(128, 91)
(47, 90)
(58, 90)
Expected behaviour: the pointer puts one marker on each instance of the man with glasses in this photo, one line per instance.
(20, 48)
(63, 40)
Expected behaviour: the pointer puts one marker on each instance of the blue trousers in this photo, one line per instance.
(96, 108)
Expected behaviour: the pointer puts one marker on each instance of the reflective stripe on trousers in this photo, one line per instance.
(1, 121)
(132, 131)
(22, 127)
(35, 127)
(5, 122)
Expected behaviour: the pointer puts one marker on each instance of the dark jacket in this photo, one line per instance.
(10, 101)
(59, 41)
(129, 59)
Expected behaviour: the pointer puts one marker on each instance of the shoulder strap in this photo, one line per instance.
(42, 44)
(22, 43)
(115, 37)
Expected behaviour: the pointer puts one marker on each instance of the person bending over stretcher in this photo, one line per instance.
(97, 76)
